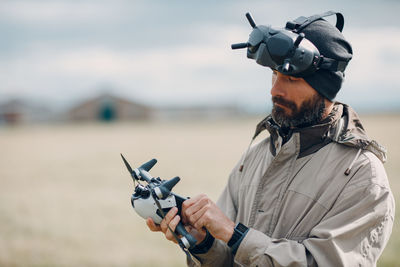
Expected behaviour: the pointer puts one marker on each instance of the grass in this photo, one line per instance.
(65, 193)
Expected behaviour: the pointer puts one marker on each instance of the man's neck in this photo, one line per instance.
(328, 108)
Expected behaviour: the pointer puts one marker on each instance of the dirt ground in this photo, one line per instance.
(65, 193)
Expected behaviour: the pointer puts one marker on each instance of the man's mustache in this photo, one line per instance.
(284, 102)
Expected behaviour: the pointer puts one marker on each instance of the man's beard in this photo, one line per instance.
(310, 112)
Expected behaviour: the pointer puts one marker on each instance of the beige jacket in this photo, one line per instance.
(301, 207)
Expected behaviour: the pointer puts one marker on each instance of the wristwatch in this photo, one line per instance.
(238, 233)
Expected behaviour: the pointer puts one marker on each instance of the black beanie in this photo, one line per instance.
(331, 44)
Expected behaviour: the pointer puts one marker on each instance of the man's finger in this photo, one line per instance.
(172, 225)
(188, 213)
(188, 202)
(168, 217)
(199, 224)
(195, 217)
(152, 226)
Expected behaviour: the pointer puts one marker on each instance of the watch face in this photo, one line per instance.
(241, 228)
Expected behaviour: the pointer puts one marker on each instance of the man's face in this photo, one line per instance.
(295, 102)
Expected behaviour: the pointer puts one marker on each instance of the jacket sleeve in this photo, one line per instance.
(220, 254)
(353, 232)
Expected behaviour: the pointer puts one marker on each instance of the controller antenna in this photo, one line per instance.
(165, 189)
(250, 19)
(239, 45)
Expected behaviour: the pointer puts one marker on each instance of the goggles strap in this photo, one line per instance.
(332, 64)
(301, 22)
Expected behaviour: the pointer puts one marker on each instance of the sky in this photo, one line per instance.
(168, 53)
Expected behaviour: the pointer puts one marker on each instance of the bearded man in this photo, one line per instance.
(314, 192)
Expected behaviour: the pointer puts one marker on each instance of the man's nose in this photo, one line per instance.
(278, 88)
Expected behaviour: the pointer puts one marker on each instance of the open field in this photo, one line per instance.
(65, 193)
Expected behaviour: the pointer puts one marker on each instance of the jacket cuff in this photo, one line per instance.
(204, 246)
(218, 255)
(253, 245)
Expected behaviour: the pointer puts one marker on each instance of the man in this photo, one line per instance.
(313, 193)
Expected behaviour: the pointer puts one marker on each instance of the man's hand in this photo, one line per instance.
(201, 212)
(172, 219)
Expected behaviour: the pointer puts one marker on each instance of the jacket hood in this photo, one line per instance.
(354, 135)
(342, 126)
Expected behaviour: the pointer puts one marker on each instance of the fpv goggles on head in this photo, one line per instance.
(288, 50)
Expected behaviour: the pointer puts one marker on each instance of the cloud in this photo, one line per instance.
(72, 12)
(375, 49)
(185, 60)
(374, 62)
(194, 71)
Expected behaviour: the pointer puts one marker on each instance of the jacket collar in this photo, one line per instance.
(314, 137)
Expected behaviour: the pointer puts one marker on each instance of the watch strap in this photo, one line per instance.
(238, 233)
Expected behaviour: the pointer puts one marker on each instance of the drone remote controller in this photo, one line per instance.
(155, 199)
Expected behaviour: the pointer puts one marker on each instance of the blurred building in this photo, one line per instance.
(17, 111)
(107, 107)
(200, 112)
